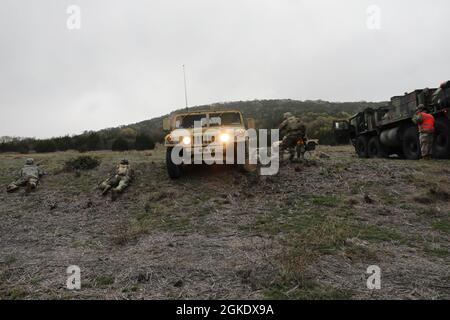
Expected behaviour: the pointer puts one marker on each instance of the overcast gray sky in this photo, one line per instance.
(124, 64)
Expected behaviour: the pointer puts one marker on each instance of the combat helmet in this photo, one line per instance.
(421, 107)
(287, 115)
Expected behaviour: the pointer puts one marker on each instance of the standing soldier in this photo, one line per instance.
(425, 122)
(29, 177)
(119, 181)
(301, 148)
(292, 130)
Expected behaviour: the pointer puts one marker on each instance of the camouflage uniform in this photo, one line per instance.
(119, 181)
(29, 177)
(292, 130)
(426, 144)
(301, 149)
(426, 137)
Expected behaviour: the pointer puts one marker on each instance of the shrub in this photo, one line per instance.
(81, 163)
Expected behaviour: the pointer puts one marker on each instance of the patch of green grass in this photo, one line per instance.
(89, 244)
(15, 294)
(322, 223)
(387, 197)
(325, 172)
(376, 233)
(442, 225)
(130, 289)
(406, 206)
(326, 201)
(429, 212)
(104, 280)
(436, 251)
(415, 179)
(165, 215)
(9, 259)
(359, 186)
(324, 236)
(146, 222)
(297, 214)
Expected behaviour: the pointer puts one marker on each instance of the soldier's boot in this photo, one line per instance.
(11, 188)
(105, 190)
(33, 183)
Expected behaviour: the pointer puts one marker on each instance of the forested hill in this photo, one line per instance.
(318, 116)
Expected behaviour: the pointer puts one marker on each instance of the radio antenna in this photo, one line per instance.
(185, 89)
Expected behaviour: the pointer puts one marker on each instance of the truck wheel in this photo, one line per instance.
(399, 152)
(441, 145)
(375, 149)
(361, 147)
(411, 144)
(173, 169)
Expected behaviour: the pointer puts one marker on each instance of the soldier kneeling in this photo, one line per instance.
(118, 181)
(293, 132)
(29, 177)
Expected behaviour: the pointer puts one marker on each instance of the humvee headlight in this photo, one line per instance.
(224, 137)
(187, 140)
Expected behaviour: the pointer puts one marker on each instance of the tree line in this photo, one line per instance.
(127, 139)
(318, 116)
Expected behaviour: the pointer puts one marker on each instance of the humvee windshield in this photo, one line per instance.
(188, 121)
(224, 119)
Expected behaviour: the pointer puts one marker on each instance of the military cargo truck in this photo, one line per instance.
(203, 132)
(389, 130)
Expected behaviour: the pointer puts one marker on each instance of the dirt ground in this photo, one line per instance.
(310, 232)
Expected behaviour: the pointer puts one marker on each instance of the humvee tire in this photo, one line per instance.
(441, 145)
(375, 149)
(411, 143)
(173, 169)
(361, 147)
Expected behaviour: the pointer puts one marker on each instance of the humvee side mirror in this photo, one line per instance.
(250, 123)
(166, 124)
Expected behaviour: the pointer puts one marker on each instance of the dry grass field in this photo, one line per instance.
(217, 233)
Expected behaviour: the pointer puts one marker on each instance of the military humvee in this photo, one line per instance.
(389, 130)
(203, 132)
